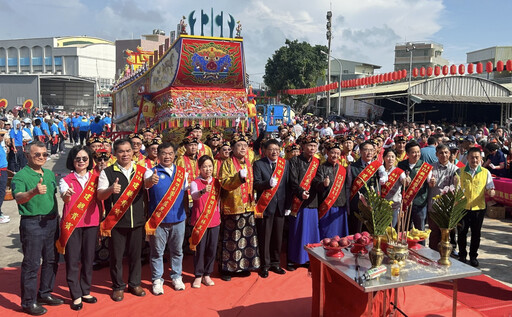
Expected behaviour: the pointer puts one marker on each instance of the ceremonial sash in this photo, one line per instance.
(334, 192)
(124, 202)
(416, 184)
(167, 201)
(219, 165)
(151, 164)
(363, 177)
(268, 194)
(77, 212)
(192, 174)
(247, 186)
(305, 184)
(206, 215)
(201, 151)
(392, 178)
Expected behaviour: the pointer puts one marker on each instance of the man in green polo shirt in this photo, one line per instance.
(34, 189)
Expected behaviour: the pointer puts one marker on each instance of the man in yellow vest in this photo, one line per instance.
(475, 181)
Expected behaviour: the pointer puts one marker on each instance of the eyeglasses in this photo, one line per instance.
(137, 143)
(101, 159)
(45, 154)
(81, 159)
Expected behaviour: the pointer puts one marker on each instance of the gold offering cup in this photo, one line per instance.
(398, 252)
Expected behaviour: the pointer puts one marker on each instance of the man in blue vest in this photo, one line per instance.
(171, 230)
(16, 157)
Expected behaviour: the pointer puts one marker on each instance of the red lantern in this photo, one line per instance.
(395, 75)
(462, 69)
(470, 68)
(414, 72)
(479, 68)
(453, 70)
(429, 71)
(422, 71)
(437, 70)
(509, 65)
(445, 70)
(404, 73)
(381, 78)
(499, 66)
(489, 67)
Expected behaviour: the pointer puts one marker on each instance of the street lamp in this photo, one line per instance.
(339, 84)
(409, 48)
(329, 36)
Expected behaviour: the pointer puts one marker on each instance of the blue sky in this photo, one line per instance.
(363, 30)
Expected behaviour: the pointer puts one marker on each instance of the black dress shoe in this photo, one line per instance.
(462, 259)
(76, 306)
(50, 301)
(225, 277)
(473, 262)
(277, 270)
(34, 309)
(89, 300)
(243, 274)
(263, 273)
(290, 267)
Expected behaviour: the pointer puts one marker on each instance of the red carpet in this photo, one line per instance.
(488, 296)
(286, 295)
(277, 295)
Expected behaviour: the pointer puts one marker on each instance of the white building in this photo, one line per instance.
(70, 73)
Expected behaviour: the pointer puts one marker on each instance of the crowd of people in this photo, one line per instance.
(233, 202)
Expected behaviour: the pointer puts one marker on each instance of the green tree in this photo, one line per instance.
(295, 66)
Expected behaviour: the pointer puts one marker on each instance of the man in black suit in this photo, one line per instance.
(269, 173)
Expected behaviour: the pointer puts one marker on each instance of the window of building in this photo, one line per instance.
(58, 61)
(37, 61)
(48, 61)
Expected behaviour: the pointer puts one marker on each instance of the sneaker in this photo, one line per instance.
(178, 285)
(196, 283)
(158, 287)
(3, 219)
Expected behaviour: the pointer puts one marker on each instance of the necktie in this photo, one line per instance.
(273, 165)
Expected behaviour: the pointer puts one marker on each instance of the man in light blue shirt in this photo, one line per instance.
(428, 153)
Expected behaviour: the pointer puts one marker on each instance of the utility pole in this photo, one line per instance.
(329, 35)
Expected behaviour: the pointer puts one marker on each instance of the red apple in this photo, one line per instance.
(357, 236)
(365, 240)
(336, 238)
(326, 241)
(334, 244)
(343, 241)
(366, 234)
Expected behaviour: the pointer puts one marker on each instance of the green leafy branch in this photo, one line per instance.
(449, 208)
(375, 212)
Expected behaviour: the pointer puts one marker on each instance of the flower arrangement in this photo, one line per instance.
(449, 207)
(375, 212)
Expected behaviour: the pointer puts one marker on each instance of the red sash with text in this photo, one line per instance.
(166, 202)
(77, 212)
(363, 177)
(305, 184)
(392, 179)
(201, 151)
(268, 194)
(335, 191)
(416, 184)
(124, 202)
(206, 215)
(247, 186)
(192, 173)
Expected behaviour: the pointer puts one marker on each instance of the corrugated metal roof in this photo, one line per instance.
(442, 89)
(450, 98)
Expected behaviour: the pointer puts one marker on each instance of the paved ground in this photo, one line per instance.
(495, 250)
